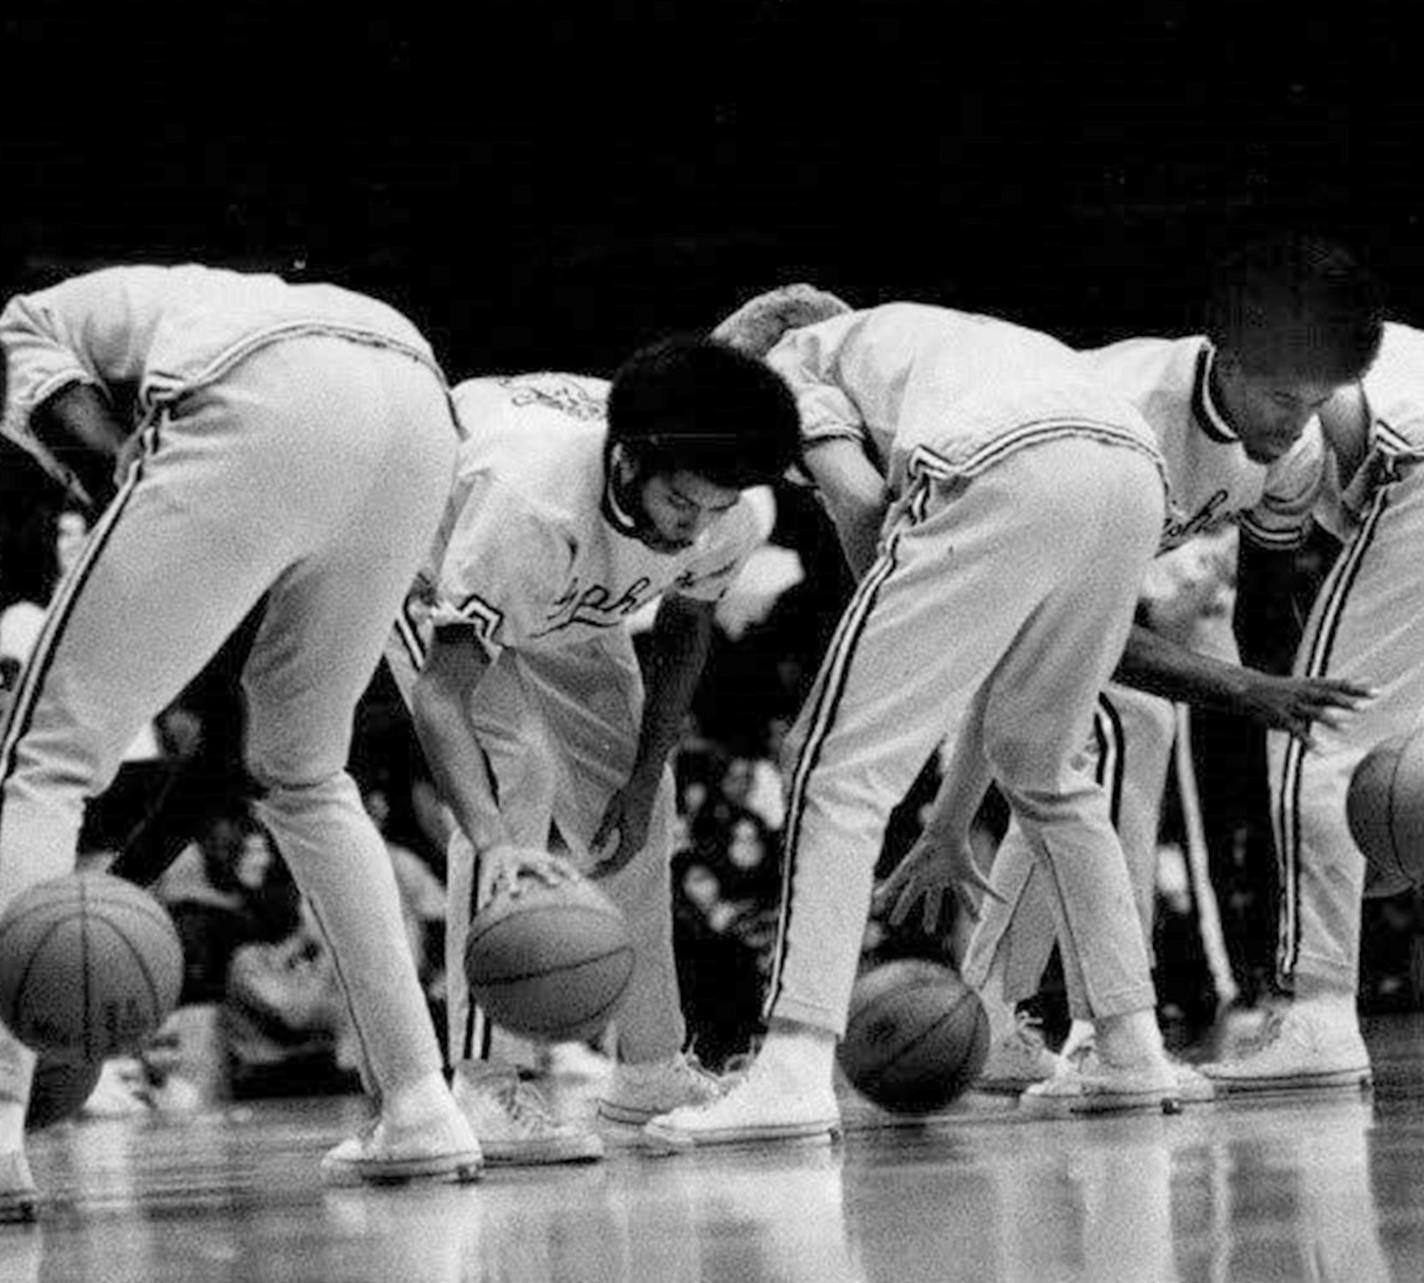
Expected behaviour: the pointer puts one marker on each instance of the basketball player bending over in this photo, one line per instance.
(577, 502)
(1025, 503)
(1291, 321)
(292, 443)
(1366, 626)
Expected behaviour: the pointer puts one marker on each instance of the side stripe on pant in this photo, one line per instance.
(835, 668)
(1285, 818)
(476, 1036)
(61, 610)
(1112, 746)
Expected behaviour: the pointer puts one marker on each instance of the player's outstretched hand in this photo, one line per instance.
(1294, 704)
(932, 869)
(623, 830)
(757, 326)
(504, 869)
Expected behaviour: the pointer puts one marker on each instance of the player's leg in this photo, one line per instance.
(1133, 736)
(172, 567)
(511, 1120)
(963, 567)
(1013, 940)
(523, 779)
(1038, 704)
(590, 700)
(1365, 626)
(368, 450)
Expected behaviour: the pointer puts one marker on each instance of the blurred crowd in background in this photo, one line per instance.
(261, 1012)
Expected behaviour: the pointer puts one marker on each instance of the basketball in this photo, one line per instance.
(552, 962)
(60, 1087)
(1385, 810)
(915, 1038)
(90, 966)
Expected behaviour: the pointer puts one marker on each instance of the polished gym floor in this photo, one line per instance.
(1269, 1189)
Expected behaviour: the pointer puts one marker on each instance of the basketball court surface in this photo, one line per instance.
(1265, 1189)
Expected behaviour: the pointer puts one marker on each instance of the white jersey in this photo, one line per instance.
(929, 388)
(534, 551)
(1394, 399)
(1211, 481)
(147, 335)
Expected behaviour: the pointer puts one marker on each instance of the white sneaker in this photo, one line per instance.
(442, 1148)
(1304, 1048)
(1193, 1087)
(19, 1198)
(514, 1125)
(640, 1092)
(1094, 1087)
(1017, 1060)
(121, 1092)
(756, 1109)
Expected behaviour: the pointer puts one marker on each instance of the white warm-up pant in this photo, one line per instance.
(996, 611)
(312, 473)
(1128, 752)
(1366, 626)
(559, 729)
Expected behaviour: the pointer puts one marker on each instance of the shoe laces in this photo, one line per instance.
(526, 1106)
(1269, 1032)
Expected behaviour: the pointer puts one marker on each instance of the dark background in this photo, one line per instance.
(544, 186)
(548, 186)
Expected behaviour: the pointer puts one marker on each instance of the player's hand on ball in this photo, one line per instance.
(1294, 704)
(933, 868)
(623, 830)
(504, 868)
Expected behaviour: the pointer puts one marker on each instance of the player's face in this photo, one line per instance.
(1268, 408)
(676, 507)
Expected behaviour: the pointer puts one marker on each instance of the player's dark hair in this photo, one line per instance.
(693, 404)
(1296, 303)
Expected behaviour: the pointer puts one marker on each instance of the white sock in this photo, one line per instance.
(425, 1098)
(1002, 1019)
(12, 1126)
(1079, 1032)
(797, 1055)
(1130, 1040)
(1314, 990)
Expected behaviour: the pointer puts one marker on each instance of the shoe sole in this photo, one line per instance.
(1006, 1086)
(669, 1140)
(403, 1171)
(540, 1155)
(1099, 1103)
(1335, 1080)
(628, 1117)
(613, 1112)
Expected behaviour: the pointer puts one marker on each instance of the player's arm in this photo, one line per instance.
(67, 346)
(455, 665)
(80, 430)
(677, 654)
(854, 494)
(834, 436)
(1165, 667)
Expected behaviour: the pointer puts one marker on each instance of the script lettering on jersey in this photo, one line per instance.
(1208, 517)
(595, 605)
(555, 393)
